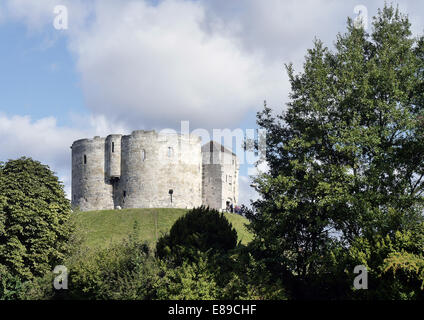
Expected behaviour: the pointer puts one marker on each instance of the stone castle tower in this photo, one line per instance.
(152, 170)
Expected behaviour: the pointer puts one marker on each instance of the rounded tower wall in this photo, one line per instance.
(153, 164)
(91, 189)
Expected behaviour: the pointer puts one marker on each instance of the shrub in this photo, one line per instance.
(107, 273)
(11, 286)
(190, 281)
(200, 230)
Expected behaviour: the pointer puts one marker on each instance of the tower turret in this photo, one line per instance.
(91, 190)
(113, 156)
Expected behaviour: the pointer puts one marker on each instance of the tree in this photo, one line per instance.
(346, 158)
(199, 230)
(189, 281)
(395, 264)
(34, 215)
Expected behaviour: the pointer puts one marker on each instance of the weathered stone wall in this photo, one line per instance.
(113, 156)
(212, 186)
(229, 180)
(153, 164)
(220, 176)
(90, 188)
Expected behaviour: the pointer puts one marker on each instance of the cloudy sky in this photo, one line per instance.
(123, 65)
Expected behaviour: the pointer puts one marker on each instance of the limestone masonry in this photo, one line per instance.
(147, 169)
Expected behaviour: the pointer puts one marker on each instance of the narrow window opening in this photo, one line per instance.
(85, 159)
(113, 146)
(171, 192)
(170, 152)
(143, 154)
(125, 194)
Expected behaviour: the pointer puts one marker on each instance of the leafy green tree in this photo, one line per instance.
(199, 230)
(346, 158)
(34, 214)
(395, 264)
(189, 281)
(241, 277)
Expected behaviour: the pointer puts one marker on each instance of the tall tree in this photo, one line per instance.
(346, 158)
(34, 214)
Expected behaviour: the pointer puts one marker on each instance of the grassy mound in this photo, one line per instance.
(102, 228)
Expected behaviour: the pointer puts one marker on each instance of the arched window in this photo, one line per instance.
(143, 155)
(85, 159)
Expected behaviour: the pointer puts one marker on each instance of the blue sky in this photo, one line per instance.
(133, 64)
(41, 78)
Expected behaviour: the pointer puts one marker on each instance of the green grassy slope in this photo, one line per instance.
(101, 228)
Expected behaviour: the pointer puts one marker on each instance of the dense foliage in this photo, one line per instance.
(345, 184)
(200, 230)
(34, 214)
(129, 271)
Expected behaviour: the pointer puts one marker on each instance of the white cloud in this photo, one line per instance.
(281, 29)
(210, 62)
(155, 65)
(45, 141)
(41, 139)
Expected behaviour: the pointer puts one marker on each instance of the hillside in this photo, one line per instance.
(101, 228)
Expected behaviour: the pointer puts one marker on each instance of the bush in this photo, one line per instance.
(11, 286)
(200, 230)
(190, 281)
(395, 265)
(242, 277)
(110, 273)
